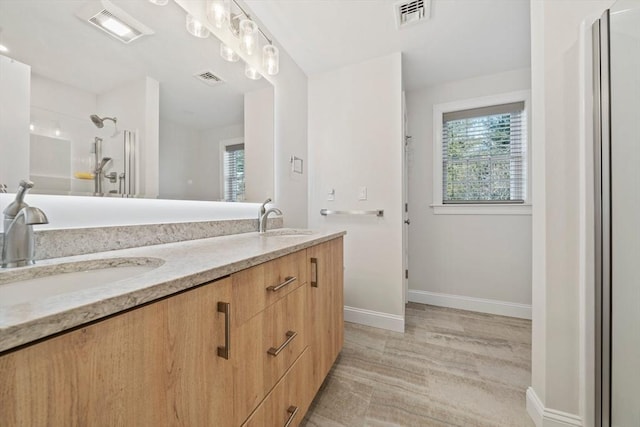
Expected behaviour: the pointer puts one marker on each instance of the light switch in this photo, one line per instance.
(362, 193)
(331, 195)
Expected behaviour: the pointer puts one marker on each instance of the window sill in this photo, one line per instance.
(471, 209)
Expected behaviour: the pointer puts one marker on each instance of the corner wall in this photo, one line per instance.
(560, 394)
(355, 140)
(476, 262)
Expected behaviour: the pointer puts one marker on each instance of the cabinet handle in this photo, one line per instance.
(287, 280)
(292, 410)
(225, 307)
(275, 351)
(314, 272)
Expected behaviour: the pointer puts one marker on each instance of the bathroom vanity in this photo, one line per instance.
(236, 330)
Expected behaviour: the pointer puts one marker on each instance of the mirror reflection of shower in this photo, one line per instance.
(126, 178)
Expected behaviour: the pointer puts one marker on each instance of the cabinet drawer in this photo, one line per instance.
(260, 286)
(267, 348)
(289, 399)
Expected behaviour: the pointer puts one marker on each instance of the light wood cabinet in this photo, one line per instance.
(289, 399)
(326, 302)
(161, 365)
(151, 366)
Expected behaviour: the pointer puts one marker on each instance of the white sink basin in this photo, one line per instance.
(288, 232)
(23, 286)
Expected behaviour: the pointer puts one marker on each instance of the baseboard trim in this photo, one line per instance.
(546, 417)
(376, 319)
(481, 305)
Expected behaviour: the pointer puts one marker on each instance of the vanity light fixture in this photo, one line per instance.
(270, 60)
(196, 28)
(219, 12)
(228, 54)
(251, 72)
(248, 36)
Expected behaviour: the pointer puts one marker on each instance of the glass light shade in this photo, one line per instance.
(251, 72)
(270, 59)
(196, 28)
(228, 54)
(219, 12)
(159, 2)
(248, 36)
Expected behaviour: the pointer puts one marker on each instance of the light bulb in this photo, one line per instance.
(251, 72)
(219, 12)
(248, 36)
(228, 54)
(196, 28)
(270, 59)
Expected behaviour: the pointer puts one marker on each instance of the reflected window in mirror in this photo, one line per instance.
(233, 167)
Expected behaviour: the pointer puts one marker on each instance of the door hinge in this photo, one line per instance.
(406, 274)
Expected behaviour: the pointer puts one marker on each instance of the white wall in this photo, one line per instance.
(471, 256)
(355, 139)
(14, 122)
(562, 339)
(136, 105)
(54, 104)
(625, 181)
(258, 143)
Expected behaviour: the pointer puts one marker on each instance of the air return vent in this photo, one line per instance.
(113, 21)
(412, 12)
(208, 78)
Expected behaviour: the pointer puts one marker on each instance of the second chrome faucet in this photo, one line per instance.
(263, 215)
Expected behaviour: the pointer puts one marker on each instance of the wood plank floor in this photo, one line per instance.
(450, 368)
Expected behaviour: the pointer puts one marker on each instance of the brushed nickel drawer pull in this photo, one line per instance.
(293, 410)
(287, 280)
(225, 307)
(275, 351)
(314, 272)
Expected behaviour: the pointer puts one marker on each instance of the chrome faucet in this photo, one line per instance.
(263, 208)
(265, 217)
(18, 245)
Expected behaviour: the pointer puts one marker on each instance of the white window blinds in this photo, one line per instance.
(484, 155)
(234, 173)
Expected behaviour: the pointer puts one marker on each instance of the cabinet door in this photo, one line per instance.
(325, 263)
(201, 391)
(106, 374)
(156, 365)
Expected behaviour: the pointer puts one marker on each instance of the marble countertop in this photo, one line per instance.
(180, 266)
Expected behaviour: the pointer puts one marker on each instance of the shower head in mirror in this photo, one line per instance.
(99, 122)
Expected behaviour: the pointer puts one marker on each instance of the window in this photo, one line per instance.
(233, 173)
(481, 152)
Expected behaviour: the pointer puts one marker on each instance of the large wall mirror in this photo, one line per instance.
(161, 116)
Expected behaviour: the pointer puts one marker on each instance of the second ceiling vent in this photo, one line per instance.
(207, 77)
(412, 12)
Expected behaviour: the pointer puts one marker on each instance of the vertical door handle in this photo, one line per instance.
(225, 307)
(314, 272)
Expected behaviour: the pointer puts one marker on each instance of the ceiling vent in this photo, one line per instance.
(412, 12)
(113, 20)
(208, 78)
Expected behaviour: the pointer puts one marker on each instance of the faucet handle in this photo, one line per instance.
(26, 184)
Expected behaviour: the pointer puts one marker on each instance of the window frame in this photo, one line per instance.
(223, 148)
(498, 208)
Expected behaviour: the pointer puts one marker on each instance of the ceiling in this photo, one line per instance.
(462, 39)
(47, 35)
